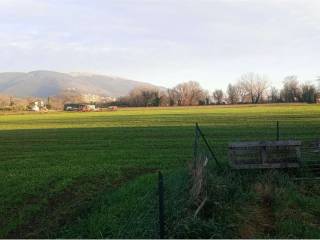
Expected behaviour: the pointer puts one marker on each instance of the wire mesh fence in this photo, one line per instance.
(214, 155)
(203, 155)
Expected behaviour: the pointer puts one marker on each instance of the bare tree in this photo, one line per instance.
(173, 97)
(150, 97)
(254, 86)
(135, 98)
(189, 93)
(205, 99)
(291, 91)
(274, 96)
(144, 96)
(233, 94)
(309, 93)
(163, 98)
(218, 96)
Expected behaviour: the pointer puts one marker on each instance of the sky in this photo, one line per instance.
(163, 42)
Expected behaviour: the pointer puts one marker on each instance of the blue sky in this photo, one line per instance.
(163, 42)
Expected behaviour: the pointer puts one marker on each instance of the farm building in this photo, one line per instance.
(79, 107)
(37, 106)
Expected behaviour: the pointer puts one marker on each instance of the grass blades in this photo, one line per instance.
(94, 174)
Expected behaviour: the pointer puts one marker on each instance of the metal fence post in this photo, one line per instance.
(278, 132)
(196, 139)
(207, 144)
(161, 207)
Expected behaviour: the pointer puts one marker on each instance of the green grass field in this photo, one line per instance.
(94, 175)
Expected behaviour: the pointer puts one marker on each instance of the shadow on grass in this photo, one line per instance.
(55, 180)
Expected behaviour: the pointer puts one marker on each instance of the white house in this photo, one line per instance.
(36, 106)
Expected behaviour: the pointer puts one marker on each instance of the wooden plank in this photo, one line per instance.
(265, 154)
(265, 165)
(264, 143)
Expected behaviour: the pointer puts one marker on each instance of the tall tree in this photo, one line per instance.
(309, 93)
(189, 93)
(274, 96)
(144, 96)
(254, 86)
(218, 96)
(233, 94)
(173, 97)
(291, 91)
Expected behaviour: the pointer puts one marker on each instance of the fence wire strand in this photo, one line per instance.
(203, 154)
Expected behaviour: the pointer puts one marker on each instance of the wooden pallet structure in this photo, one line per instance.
(265, 154)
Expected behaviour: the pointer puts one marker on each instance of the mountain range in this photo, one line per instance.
(49, 83)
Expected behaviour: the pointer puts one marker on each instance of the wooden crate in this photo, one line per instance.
(265, 154)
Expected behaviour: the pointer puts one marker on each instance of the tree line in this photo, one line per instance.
(250, 88)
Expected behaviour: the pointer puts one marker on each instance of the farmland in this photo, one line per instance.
(94, 174)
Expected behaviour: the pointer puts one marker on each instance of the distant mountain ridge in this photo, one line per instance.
(50, 83)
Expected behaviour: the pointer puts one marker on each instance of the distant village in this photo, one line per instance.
(66, 101)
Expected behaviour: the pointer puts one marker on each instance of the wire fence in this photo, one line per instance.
(203, 154)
